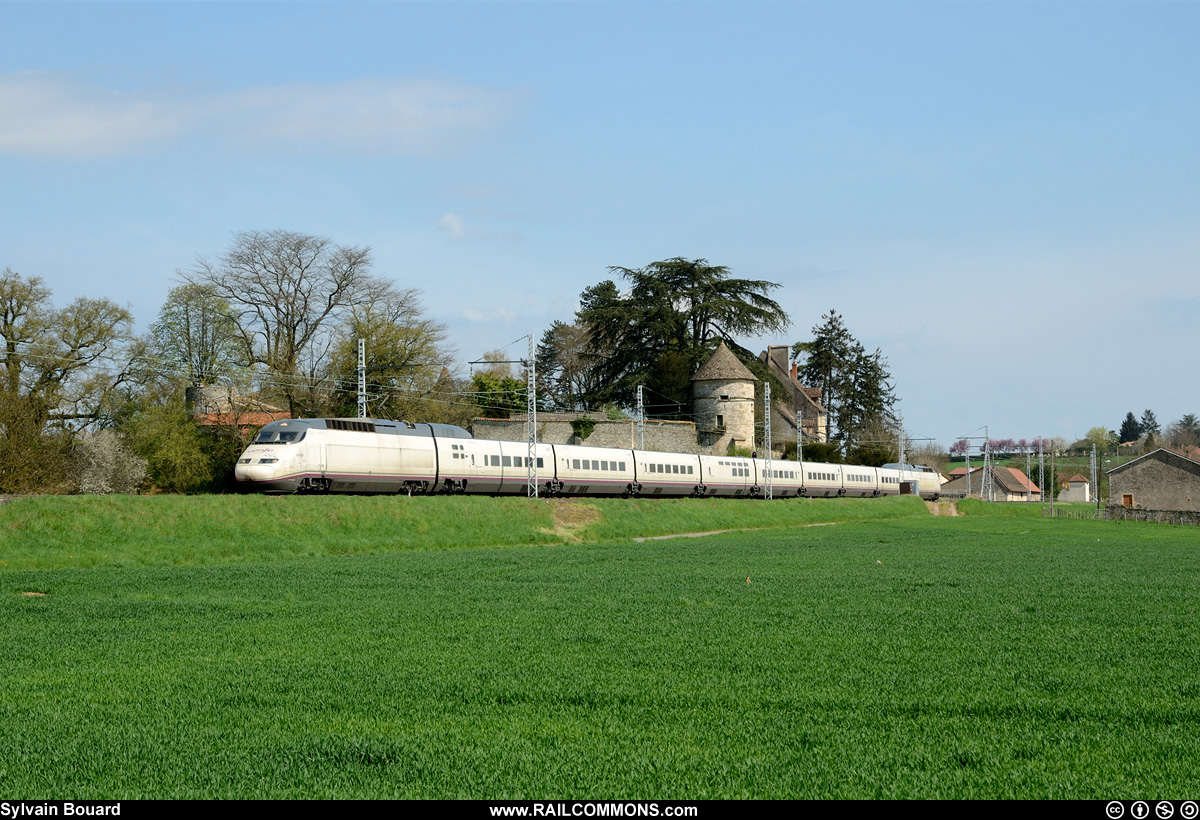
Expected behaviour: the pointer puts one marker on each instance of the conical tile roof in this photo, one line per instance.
(722, 365)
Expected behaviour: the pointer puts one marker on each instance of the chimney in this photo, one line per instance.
(794, 371)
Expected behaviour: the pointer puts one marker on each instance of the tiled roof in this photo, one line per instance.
(251, 418)
(1022, 480)
(723, 366)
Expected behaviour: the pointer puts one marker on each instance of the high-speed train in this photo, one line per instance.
(377, 456)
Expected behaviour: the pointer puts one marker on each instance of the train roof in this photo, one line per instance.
(381, 426)
(920, 468)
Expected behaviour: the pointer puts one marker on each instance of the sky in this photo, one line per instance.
(1004, 197)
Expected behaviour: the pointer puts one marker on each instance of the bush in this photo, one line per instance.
(105, 465)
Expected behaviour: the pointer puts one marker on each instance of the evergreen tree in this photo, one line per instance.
(826, 361)
(1149, 423)
(855, 385)
(664, 328)
(1130, 429)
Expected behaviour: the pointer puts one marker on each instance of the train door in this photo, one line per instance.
(314, 454)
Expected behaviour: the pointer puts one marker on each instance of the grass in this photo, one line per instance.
(58, 532)
(972, 657)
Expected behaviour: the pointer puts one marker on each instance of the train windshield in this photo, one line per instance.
(279, 437)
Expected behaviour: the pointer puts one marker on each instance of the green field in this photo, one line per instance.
(361, 647)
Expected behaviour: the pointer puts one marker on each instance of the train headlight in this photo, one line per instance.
(267, 460)
(243, 461)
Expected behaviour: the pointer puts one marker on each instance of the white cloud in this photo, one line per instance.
(43, 115)
(50, 115)
(453, 225)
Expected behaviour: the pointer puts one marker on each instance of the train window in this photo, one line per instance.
(690, 469)
(595, 464)
(675, 468)
(603, 465)
(495, 461)
(574, 464)
(621, 466)
(541, 463)
(508, 461)
(587, 465)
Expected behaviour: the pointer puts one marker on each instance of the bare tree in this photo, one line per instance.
(564, 370)
(930, 454)
(60, 368)
(286, 292)
(195, 331)
(406, 354)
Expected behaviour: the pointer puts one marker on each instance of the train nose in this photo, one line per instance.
(254, 472)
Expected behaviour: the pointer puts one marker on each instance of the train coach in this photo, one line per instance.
(377, 456)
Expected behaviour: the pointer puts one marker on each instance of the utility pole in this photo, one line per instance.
(1028, 476)
(641, 411)
(530, 365)
(767, 434)
(987, 490)
(1052, 480)
(362, 378)
(1093, 484)
(531, 489)
(799, 435)
(1042, 467)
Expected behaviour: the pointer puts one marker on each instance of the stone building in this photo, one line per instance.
(1076, 488)
(1159, 480)
(723, 402)
(814, 418)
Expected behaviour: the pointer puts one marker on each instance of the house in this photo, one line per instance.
(1009, 484)
(1076, 488)
(1159, 480)
(814, 418)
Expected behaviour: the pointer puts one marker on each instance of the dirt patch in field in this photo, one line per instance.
(571, 515)
(31, 594)
(942, 507)
(718, 532)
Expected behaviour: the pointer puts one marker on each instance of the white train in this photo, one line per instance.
(377, 456)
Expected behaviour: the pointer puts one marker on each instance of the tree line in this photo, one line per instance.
(657, 330)
(86, 404)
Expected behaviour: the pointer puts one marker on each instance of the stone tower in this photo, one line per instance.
(723, 393)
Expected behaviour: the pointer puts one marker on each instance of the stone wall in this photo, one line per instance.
(1118, 513)
(1158, 481)
(555, 428)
